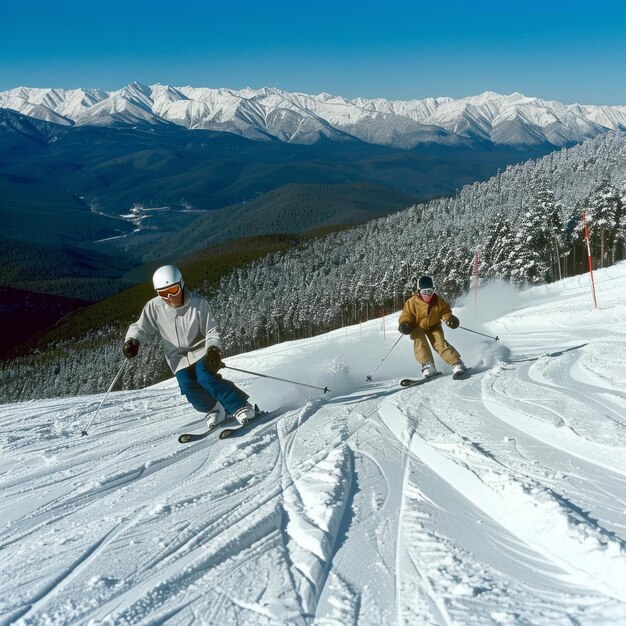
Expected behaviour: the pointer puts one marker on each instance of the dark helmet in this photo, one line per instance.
(425, 282)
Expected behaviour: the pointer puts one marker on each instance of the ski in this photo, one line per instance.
(463, 375)
(240, 429)
(411, 382)
(189, 437)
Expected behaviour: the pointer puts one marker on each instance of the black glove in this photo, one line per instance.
(131, 347)
(453, 321)
(405, 328)
(213, 359)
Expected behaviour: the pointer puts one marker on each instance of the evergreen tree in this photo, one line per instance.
(494, 258)
(529, 258)
(549, 233)
(605, 222)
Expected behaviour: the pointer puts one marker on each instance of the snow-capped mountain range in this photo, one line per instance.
(272, 114)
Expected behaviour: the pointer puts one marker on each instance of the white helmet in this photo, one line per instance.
(166, 276)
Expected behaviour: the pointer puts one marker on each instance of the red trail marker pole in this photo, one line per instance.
(476, 279)
(593, 284)
(384, 329)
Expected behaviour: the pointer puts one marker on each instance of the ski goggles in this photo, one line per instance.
(166, 292)
(427, 292)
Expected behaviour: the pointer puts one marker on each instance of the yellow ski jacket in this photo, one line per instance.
(426, 316)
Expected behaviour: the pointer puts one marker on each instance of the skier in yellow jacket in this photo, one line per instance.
(421, 318)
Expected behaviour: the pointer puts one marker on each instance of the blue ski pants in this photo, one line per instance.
(203, 389)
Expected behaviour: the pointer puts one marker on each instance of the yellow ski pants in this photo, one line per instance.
(435, 335)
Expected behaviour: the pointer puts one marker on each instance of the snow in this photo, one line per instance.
(494, 500)
(258, 114)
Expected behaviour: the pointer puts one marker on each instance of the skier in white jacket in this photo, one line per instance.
(192, 347)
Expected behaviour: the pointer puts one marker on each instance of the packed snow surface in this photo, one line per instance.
(500, 499)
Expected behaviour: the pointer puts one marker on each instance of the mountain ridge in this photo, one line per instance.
(269, 113)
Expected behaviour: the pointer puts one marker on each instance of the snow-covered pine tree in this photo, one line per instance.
(494, 258)
(605, 222)
(529, 256)
(549, 233)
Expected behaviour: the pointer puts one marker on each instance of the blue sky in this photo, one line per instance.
(572, 52)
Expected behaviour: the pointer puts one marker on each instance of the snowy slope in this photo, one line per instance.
(268, 113)
(495, 500)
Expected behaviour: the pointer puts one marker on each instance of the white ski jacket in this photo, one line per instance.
(186, 332)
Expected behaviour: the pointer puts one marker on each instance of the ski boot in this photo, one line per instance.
(459, 368)
(245, 413)
(215, 416)
(428, 370)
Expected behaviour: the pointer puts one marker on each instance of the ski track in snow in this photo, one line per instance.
(499, 499)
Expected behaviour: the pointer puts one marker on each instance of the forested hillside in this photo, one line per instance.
(82, 205)
(525, 224)
(289, 209)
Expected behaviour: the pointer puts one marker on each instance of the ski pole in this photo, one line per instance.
(105, 397)
(469, 330)
(386, 355)
(284, 380)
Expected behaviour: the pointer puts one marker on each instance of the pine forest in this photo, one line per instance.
(524, 225)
